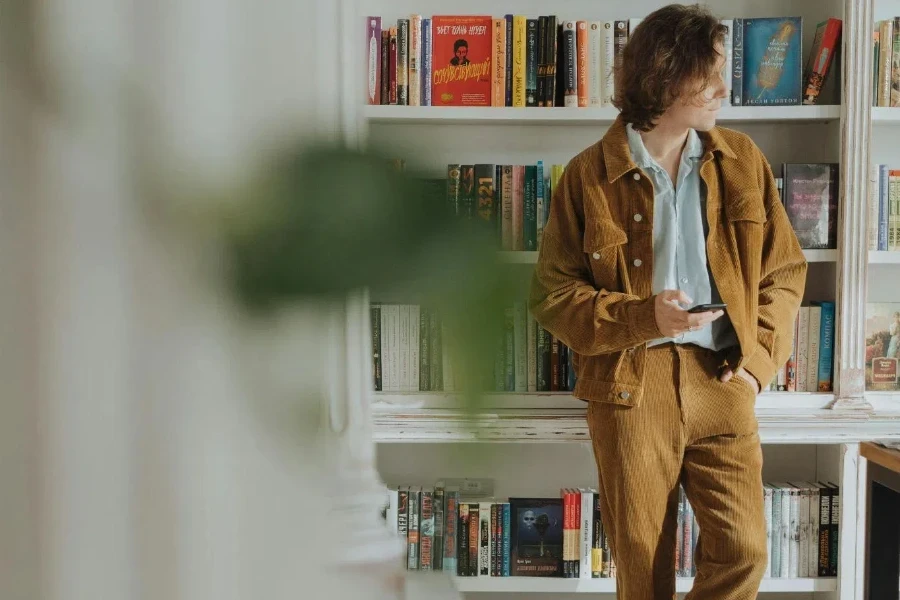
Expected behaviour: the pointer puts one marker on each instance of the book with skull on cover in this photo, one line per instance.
(536, 537)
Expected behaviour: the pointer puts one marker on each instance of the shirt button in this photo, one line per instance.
(638, 262)
(684, 280)
(637, 176)
(624, 395)
(638, 218)
(596, 256)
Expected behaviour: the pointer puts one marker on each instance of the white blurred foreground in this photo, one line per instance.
(155, 443)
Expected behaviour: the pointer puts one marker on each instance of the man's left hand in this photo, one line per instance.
(727, 374)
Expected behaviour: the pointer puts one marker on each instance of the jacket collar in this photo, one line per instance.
(617, 153)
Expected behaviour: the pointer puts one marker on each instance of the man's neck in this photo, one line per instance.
(665, 142)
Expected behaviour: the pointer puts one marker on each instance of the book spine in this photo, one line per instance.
(375, 312)
(448, 367)
(596, 538)
(506, 534)
(437, 352)
(737, 64)
(415, 60)
(393, 63)
(474, 538)
(834, 530)
(403, 518)
(679, 533)
(786, 532)
(507, 241)
(767, 510)
(594, 74)
(802, 348)
(438, 508)
(414, 344)
(508, 100)
(776, 532)
(570, 65)
(812, 361)
(728, 48)
(529, 213)
(521, 345)
(385, 92)
(498, 85)
(586, 537)
(426, 530)
(794, 542)
(552, 59)
(619, 41)
(803, 567)
(518, 207)
(826, 347)
(609, 62)
(467, 191)
(687, 556)
(541, 92)
(373, 60)
(823, 48)
(415, 499)
(531, 335)
(540, 201)
(424, 351)
(531, 59)
(451, 520)
(404, 348)
(403, 62)
(485, 207)
(824, 530)
(427, 66)
(581, 62)
(485, 550)
(495, 540)
(519, 51)
(462, 541)
(884, 207)
(813, 512)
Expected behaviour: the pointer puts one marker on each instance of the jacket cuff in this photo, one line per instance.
(642, 321)
(760, 365)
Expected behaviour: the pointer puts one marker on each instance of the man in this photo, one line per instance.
(460, 52)
(665, 212)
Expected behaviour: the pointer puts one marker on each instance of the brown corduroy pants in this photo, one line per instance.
(693, 429)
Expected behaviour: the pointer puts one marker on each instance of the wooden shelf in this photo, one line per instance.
(578, 116)
(522, 585)
(884, 258)
(437, 417)
(813, 256)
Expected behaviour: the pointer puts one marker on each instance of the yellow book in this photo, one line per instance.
(518, 71)
(498, 76)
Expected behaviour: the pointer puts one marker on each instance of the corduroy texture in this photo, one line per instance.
(695, 429)
(592, 286)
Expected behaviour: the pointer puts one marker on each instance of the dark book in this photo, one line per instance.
(403, 517)
(737, 63)
(467, 191)
(543, 359)
(426, 529)
(552, 54)
(530, 208)
(810, 199)
(473, 542)
(620, 39)
(531, 61)
(385, 66)
(541, 83)
(437, 562)
(536, 537)
(453, 183)
(486, 206)
(463, 541)
(412, 536)
(509, 60)
(403, 62)
(376, 345)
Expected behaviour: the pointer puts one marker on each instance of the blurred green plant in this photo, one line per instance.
(326, 220)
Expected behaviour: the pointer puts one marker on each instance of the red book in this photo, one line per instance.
(825, 43)
(461, 63)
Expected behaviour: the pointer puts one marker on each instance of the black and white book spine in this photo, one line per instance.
(608, 40)
(728, 48)
(794, 561)
(767, 504)
(587, 533)
(484, 539)
(412, 537)
(737, 62)
(570, 65)
(777, 492)
(438, 508)
(375, 317)
(834, 529)
(785, 530)
(403, 62)
(620, 39)
(403, 518)
(415, 60)
(414, 329)
(462, 540)
(803, 567)
(825, 498)
(812, 568)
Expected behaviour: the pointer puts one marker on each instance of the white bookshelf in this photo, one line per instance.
(805, 435)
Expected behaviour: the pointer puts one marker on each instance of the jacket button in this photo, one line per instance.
(624, 395)
(638, 218)
(596, 255)
(638, 262)
(637, 176)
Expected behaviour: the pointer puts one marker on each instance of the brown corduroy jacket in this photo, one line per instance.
(592, 287)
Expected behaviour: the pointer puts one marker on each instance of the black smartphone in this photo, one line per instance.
(707, 308)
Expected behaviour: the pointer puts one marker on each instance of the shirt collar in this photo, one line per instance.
(692, 149)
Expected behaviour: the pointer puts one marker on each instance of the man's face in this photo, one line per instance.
(698, 110)
(461, 53)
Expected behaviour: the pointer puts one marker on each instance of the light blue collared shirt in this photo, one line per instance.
(679, 237)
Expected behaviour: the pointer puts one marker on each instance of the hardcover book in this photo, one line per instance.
(772, 61)
(882, 346)
(461, 60)
(810, 199)
(536, 540)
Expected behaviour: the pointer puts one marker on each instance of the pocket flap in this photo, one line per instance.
(601, 234)
(748, 207)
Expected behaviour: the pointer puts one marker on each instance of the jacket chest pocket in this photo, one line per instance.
(603, 242)
(747, 216)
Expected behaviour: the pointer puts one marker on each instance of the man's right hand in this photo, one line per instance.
(672, 320)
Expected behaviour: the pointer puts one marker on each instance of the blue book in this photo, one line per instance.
(772, 73)
(505, 545)
(826, 347)
(425, 99)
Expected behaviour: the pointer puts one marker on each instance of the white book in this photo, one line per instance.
(414, 334)
(728, 48)
(767, 502)
(404, 348)
(415, 60)
(386, 363)
(587, 533)
(794, 538)
(802, 347)
(395, 347)
(775, 555)
(812, 359)
(446, 360)
(595, 60)
(531, 339)
(803, 561)
(784, 532)
(873, 208)
(609, 60)
(813, 552)
(521, 346)
(485, 540)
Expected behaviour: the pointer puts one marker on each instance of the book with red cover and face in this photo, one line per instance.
(461, 61)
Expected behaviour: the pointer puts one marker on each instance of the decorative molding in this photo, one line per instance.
(852, 271)
(852, 523)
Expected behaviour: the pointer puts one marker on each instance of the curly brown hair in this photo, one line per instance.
(672, 53)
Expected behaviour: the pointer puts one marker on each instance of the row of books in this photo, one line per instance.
(884, 206)
(514, 60)
(886, 76)
(882, 346)
(410, 353)
(810, 367)
(564, 536)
